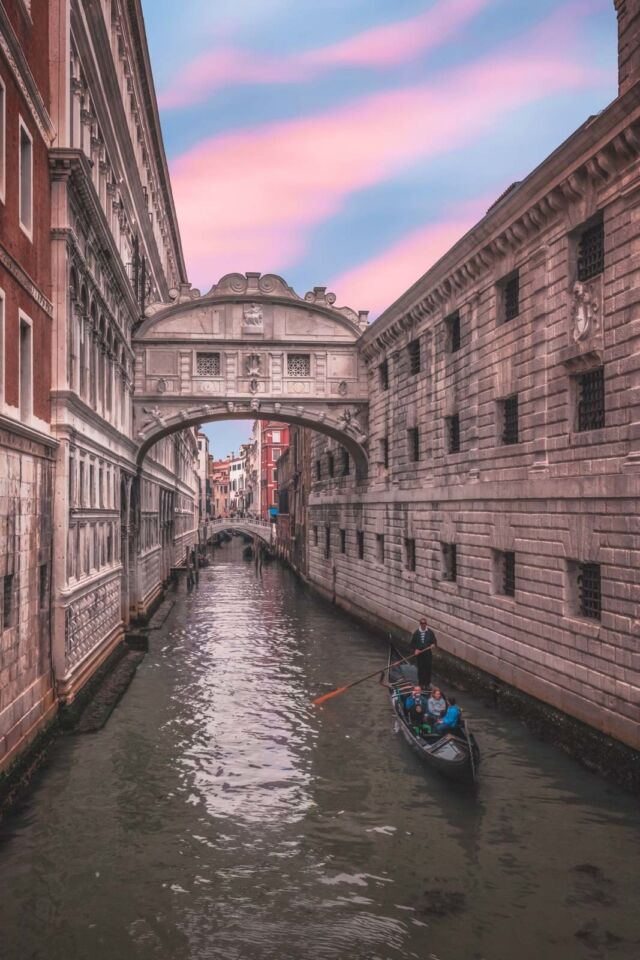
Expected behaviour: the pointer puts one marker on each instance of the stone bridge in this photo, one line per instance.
(263, 529)
(251, 348)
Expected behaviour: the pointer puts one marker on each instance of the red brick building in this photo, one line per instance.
(274, 441)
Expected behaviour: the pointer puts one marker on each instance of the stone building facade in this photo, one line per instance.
(294, 485)
(504, 436)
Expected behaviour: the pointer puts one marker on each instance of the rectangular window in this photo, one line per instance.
(413, 349)
(452, 323)
(510, 289)
(360, 540)
(384, 452)
(315, 536)
(589, 590)
(449, 562)
(299, 364)
(591, 400)
(275, 436)
(591, 252)
(410, 555)
(380, 547)
(327, 542)
(453, 433)
(343, 541)
(7, 601)
(510, 419)
(346, 463)
(413, 442)
(207, 365)
(26, 368)
(43, 585)
(331, 465)
(3, 140)
(25, 172)
(318, 470)
(383, 375)
(505, 572)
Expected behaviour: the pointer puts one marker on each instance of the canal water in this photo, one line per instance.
(219, 815)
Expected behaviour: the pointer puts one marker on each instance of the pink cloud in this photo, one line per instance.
(383, 46)
(375, 284)
(248, 200)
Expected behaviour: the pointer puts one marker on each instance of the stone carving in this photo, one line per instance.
(342, 388)
(253, 365)
(320, 296)
(254, 405)
(585, 307)
(153, 416)
(89, 619)
(253, 385)
(231, 406)
(252, 316)
(161, 386)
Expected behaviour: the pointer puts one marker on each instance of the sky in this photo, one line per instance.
(350, 143)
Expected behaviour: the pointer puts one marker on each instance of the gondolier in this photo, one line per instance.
(423, 639)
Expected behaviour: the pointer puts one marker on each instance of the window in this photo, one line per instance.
(360, 541)
(510, 290)
(383, 375)
(380, 547)
(299, 364)
(327, 541)
(589, 592)
(505, 572)
(413, 349)
(318, 470)
(343, 541)
(331, 464)
(449, 562)
(207, 364)
(43, 577)
(591, 252)
(453, 433)
(26, 368)
(275, 436)
(410, 555)
(25, 172)
(413, 442)
(346, 464)
(7, 602)
(3, 139)
(591, 400)
(510, 419)
(315, 536)
(384, 452)
(275, 453)
(452, 324)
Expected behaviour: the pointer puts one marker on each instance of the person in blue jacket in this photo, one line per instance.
(451, 718)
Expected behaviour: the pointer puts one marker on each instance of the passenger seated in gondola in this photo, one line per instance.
(414, 697)
(451, 718)
(436, 704)
(416, 711)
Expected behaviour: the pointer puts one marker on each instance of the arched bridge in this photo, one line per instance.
(251, 348)
(262, 529)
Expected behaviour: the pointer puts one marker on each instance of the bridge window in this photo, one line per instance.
(207, 364)
(299, 364)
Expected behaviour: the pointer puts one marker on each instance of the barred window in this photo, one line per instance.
(413, 440)
(346, 463)
(380, 547)
(591, 400)
(383, 375)
(453, 433)
(299, 364)
(410, 555)
(511, 296)
(453, 331)
(413, 349)
(384, 452)
(327, 541)
(510, 419)
(507, 563)
(591, 252)
(343, 541)
(43, 579)
(7, 601)
(331, 464)
(449, 562)
(315, 536)
(589, 591)
(318, 470)
(360, 539)
(207, 364)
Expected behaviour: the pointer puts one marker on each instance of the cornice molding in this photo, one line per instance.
(25, 281)
(14, 54)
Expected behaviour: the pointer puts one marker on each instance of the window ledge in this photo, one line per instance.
(584, 438)
(584, 624)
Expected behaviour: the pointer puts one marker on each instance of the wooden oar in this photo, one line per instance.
(354, 683)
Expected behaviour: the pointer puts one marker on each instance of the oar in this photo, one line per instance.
(354, 683)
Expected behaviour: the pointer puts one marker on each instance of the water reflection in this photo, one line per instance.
(219, 815)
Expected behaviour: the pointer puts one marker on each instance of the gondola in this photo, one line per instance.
(456, 755)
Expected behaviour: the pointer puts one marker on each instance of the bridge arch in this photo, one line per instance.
(251, 348)
(262, 529)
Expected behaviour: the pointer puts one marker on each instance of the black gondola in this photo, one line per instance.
(456, 755)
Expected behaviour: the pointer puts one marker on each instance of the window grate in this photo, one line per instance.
(510, 420)
(331, 464)
(589, 590)
(360, 539)
(511, 294)
(318, 470)
(346, 463)
(343, 541)
(591, 400)
(453, 433)
(384, 451)
(453, 325)
(449, 562)
(413, 350)
(7, 601)
(208, 365)
(315, 536)
(299, 365)
(591, 252)
(383, 374)
(327, 541)
(509, 573)
(413, 438)
(380, 547)
(410, 554)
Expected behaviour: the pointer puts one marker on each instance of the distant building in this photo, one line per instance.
(274, 440)
(205, 504)
(219, 474)
(293, 474)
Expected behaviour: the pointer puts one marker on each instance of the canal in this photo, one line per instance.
(219, 815)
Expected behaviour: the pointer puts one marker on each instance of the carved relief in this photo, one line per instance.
(585, 309)
(252, 317)
(90, 619)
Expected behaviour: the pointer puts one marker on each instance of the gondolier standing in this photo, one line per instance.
(423, 639)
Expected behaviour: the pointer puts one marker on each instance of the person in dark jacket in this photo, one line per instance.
(423, 639)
